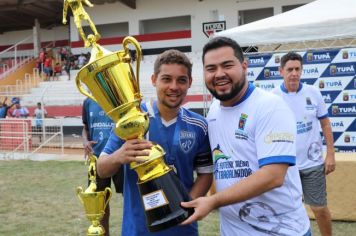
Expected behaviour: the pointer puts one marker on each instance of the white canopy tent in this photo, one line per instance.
(321, 20)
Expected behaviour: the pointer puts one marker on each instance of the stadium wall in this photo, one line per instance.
(129, 21)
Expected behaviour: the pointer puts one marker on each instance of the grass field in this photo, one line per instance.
(38, 198)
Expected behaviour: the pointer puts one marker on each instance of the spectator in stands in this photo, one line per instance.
(19, 111)
(63, 53)
(41, 60)
(57, 71)
(39, 114)
(170, 126)
(96, 132)
(81, 60)
(66, 67)
(4, 108)
(48, 67)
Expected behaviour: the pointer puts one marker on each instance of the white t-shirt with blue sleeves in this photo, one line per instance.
(259, 130)
(308, 107)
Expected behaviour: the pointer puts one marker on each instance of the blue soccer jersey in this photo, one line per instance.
(185, 141)
(99, 125)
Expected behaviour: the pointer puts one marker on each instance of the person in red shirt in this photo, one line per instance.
(48, 67)
(57, 71)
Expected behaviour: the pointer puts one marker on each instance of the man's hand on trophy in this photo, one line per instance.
(88, 148)
(134, 150)
(202, 207)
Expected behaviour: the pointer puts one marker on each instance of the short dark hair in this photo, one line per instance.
(219, 42)
(291, 56)
(172, 56)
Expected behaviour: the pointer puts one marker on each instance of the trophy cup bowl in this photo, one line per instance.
(94, 204)
(115, 87)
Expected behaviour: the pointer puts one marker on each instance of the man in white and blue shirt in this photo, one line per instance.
(310, 113)
(252, 136)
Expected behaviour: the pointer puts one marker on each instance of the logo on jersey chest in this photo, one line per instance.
(309, 104)
(240, 131)
(186, 140)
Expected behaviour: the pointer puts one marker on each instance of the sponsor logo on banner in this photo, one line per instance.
(332, 83)
(344, 69)
(268, 85)
(210, 28)
(310, 81)
(345, 55)
(347, 96)
(343, 109)
(321, 84)
(253, 73)
(341, 124)
(270, 73)
(330, 96)
(258, 61)
(275, 60)
(317, 57)
(338, 124)
(346, 139)
(313, 71)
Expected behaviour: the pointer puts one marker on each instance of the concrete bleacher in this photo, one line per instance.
(62, 98)
(54, 93)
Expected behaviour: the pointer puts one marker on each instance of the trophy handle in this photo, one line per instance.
(79, 191)
(137, 46)
(108, 193)
(82, 90)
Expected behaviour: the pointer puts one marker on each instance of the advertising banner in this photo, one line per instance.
(333, 72)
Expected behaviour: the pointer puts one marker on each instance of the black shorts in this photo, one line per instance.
(118, 180)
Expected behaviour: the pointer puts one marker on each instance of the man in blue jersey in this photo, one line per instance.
(252, 136)
(182, 134)
(96, 132)
(310, 113)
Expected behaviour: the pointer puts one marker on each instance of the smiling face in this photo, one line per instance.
(225, 75)
(172, 83)
(291, 73)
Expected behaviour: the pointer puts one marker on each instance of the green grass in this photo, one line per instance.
(38, 198)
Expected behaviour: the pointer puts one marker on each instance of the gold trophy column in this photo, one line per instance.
(94, 202)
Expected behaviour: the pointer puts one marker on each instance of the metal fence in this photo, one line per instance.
(28, 138)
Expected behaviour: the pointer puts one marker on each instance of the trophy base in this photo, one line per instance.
(161, 198)
(96, 231)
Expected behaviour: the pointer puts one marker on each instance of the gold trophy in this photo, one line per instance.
(112, 83)
(94, 202)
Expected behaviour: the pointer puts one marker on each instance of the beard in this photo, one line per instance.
(235, 90)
